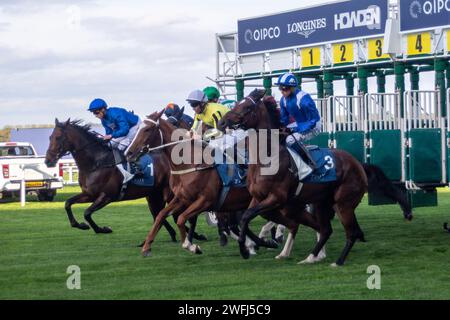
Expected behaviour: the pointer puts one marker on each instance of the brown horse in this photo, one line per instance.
(99, 179)
(196, 188)
(279, 191)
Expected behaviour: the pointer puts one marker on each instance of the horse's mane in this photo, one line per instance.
(270, 104)
(272, 109)
(83, 128)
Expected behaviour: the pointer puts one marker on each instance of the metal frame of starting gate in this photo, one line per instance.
(385, 134)
(448, 136)
(348, 124)
(323, 140)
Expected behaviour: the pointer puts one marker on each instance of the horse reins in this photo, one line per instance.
(147, 149)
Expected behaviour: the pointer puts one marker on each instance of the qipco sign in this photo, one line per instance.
(418, 15)
(262, 34)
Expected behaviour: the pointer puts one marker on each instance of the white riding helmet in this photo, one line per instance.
(197, 96)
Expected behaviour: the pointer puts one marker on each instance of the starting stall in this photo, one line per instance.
(405, 131)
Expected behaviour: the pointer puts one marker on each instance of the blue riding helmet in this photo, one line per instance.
(287, 80)
(97, 104)
(171, 109)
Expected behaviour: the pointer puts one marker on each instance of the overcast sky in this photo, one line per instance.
(56, 56)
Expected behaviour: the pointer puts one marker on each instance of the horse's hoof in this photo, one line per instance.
(83, 226)
(311, 259)
(223, 241)
(200, 237)
(105, 230)
(245, 253)
(446, 227)
(409, 217)
(271, 244)
(280, 256)
(198, 250)
(334, 265)
(146, 253)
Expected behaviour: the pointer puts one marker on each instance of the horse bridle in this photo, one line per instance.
(241, 115)
(145, 149)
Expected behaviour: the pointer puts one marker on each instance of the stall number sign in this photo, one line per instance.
(419, 43)
(310, 57)
(375, 47)
(448, 40)
(343, 53)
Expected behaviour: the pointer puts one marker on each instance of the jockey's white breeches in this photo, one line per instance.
(122, 143)
(303, 136)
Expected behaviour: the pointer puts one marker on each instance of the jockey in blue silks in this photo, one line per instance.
(120, 126)
(298, 105)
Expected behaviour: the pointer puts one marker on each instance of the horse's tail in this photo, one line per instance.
(380, 184)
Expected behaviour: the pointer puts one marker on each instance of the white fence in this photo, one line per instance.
(69, 166)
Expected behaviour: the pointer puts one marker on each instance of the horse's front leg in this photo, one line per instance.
(198, 206)
(99, 203)
(255, 209)
(172, 208)
(79, 198)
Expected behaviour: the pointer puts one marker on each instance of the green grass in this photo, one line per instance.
(37, 246)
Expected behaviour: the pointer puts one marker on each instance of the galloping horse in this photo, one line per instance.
(279, 191)
(196, 187)
(99, 179)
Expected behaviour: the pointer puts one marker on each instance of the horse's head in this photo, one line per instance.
(246, 114)
(59, 144)
(148, 136)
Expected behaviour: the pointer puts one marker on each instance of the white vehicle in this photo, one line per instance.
(19, 160)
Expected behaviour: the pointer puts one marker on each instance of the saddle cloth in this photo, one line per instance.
(231, 175)
(326, 166)
(145, 164)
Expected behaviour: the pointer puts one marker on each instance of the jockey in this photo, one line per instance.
(208, 112)
(172, 110)
(213, 95)
(301, 107)
(211, 113)
(120, 126)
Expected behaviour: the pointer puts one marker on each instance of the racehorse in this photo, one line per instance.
(197, 188)
(279, 191)
(100, 180)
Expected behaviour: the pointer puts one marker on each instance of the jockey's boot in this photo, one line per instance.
(303, 152)
(126, 175)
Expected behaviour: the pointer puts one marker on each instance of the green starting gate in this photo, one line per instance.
(348, 126)
(384, 133)
(411, 147)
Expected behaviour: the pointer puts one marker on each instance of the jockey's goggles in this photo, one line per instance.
(285, 88)
(195, 104)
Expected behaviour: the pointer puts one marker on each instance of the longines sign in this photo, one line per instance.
(328, 23)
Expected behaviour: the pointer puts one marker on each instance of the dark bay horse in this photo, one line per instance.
(99, 179)
(196, 187)
(278, 191)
